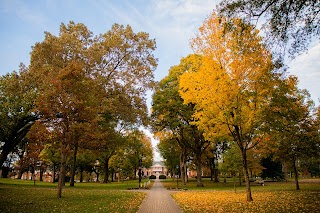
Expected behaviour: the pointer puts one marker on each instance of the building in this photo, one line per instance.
(158, 169)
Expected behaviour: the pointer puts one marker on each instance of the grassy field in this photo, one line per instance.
(23, 196)
(273, 197)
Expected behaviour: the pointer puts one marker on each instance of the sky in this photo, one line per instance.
(171, 22)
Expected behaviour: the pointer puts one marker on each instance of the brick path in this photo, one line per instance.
(159, 200)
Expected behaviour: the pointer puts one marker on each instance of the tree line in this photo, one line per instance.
(81, 101)
(233, 102)
(82, 96)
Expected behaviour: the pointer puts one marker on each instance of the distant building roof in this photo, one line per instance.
(158, 163)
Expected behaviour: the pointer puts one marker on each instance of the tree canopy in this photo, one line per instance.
(286, 23)
(237, 69)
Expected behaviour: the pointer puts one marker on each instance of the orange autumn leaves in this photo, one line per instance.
(226, 201)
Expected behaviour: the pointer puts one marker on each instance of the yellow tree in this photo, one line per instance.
(233, 84)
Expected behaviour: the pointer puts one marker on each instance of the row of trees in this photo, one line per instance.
(81, 94)
(231, 93)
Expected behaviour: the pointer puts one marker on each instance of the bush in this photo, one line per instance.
(152, 177)
(162, 177)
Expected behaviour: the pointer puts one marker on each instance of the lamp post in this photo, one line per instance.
(177, 176)
(139, 173)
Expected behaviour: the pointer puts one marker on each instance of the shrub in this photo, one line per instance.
(162, 177)
(152, 177)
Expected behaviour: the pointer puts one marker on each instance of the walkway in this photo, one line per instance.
(158, 200)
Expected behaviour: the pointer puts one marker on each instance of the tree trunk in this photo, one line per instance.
(5, 171)
(246, 174)
(3, 157)
(285, 170)
(62, 173)
(20, 172)
(106, 170)
(81, 174)
(41, 173)
(211, 165)
(73, 166)
(296, 174)
(199, 167)
(215, 171)
(182, 168)
(135, 173)
(54, 173)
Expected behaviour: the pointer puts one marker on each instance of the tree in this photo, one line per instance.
(237, 69)
(123, 63)
(108, 143)
(292, 23)
(50, 155)
(169, 114)
(138, 148)
(79, 74)
(291, 125)
(213, 154)
(37, 138)
(17, 98)
(67, 93)
(86, 160)
(273, 168)
(170, 151)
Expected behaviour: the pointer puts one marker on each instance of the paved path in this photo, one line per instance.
(158, 200)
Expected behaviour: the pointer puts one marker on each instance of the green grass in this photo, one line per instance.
(305, 184)
(23, 196)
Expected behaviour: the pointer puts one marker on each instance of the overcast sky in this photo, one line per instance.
(171, 22)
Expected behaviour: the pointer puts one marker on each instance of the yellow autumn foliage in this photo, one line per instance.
(266, 201)
(233, 83)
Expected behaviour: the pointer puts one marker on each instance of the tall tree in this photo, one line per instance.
(17, 98)
(291, 125)
(67, 93)
(286, 23)
(79, 74)
(169, 114)
(237, 69)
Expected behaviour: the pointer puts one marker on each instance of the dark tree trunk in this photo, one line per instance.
(183, 167)
(211, 166)
(112, 173)
(246, 174)
(54, 173)
(285, 170)
(62, 173)
(135, 173)
(199, 167)
(296, 174)
(81, 174)
(73, 166)
(106, 170)
(41, 173)
(97, 177)
(5, 152)
(5, 171)
(215, 171)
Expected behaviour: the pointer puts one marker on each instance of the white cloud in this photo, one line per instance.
(307, 68)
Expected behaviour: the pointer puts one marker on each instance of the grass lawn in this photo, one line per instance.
(23, 196)
(273, 197)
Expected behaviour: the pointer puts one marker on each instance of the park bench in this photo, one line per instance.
(260, 182)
